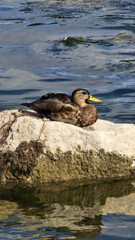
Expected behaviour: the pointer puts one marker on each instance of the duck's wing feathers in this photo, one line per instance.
(56, 106)
(65, 98)
(67, 113)
(55, 109)
(50, 105)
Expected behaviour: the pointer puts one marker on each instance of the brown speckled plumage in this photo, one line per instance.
(88, 116)
(75, 109)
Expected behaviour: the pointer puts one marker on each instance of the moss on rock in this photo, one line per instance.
(82, 165)
(20, 162)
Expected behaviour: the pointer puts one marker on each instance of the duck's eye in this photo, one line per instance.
(84, 92)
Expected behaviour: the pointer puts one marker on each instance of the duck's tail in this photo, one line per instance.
(26, 104)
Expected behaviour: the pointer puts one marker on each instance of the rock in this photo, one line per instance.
(33, 149)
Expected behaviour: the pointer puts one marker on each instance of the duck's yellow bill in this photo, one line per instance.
(91, 98)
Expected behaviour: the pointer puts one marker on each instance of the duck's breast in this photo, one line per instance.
(88, 116)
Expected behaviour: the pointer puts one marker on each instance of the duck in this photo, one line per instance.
(75, 109)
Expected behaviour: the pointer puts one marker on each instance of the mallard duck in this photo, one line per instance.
(75, 109)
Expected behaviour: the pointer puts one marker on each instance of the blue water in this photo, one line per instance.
(35, 60)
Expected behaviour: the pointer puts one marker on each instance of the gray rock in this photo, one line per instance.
(34, 149)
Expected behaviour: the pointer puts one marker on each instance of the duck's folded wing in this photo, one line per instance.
(66, 113)
(53, 106)
(57, 110)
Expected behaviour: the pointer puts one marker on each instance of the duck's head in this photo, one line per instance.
(81, 97)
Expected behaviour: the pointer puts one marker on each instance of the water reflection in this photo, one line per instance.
(67, 211)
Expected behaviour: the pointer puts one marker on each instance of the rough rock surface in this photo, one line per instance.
(34, 149)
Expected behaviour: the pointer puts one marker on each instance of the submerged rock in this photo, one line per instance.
(34, 149)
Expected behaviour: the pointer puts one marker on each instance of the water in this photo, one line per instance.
(91, 211)
(35, 60)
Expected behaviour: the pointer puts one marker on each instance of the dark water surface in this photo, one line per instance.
(104, 211)
(35, 60)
